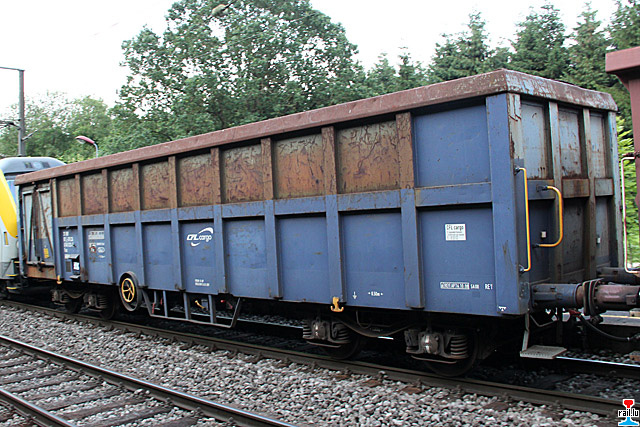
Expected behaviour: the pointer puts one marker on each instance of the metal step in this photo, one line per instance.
(542, 352)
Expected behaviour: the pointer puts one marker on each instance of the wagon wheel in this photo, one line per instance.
(130, 295)
(109, 312)
(74, 305)
(459, 367)
(4, 294)
(347, 350)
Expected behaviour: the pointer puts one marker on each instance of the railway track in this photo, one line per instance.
(418, 379)
(46, 387)
(596, 367)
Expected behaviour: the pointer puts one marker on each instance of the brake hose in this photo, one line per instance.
(593, 327)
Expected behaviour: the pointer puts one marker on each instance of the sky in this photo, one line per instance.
(74, 46)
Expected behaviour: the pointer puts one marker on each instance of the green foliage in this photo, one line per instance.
(625, 33)
(539, 45)
(625, 145)
(410, 73)
(259, 59)
(55, 121)
(384, 78)
(465, 54)
(625, 25)
(586, 66)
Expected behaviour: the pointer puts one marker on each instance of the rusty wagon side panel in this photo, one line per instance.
(405, 201)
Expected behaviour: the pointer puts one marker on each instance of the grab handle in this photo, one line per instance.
(624, 212)
(560, 217)
(526, 216)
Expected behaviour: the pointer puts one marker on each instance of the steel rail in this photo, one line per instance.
(577, 402)
(175, 397)
(40, 416)
(586, 366)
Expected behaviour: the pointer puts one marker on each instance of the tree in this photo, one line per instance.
(625, 25)
(410, 74)
(384, 78)
(381, 78)
(587, 55)
(56, 121)
(625, 145)
(539, 45)
(256, 60)
(465, 54)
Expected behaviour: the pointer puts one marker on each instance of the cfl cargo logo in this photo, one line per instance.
(628, 413)
(203, 236)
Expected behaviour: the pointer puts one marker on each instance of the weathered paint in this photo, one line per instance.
(67, 197)
(535, 149)
(505, 239)
(155, 186)
(598, 151)
(94, 200)
(626, 65)
(413, 208)
(122, 190)
(368, 158)
(195, 180)
(40, 246)
(298, 167)
(570, 144)
(501, 81)
(242, 174)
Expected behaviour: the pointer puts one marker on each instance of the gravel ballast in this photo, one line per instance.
(291, 392)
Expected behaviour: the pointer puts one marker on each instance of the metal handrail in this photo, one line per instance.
(526, 208)
(560, 218)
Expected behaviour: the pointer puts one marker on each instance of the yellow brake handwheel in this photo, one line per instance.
(129, 293)
(128, 290)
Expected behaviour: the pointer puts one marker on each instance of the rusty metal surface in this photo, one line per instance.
(329, 148)
(603, 231)
(195, 180)
(570, 147)
(405, 150)
(121, 198)
(298, 170)
(67, 197)
(599, 147)
(156, 186)
(573, 247)
(368, 158)
(242, 174)
(481, 85)
(626, 65)
(575, 187)
(93, 199)
(536, 147)
(624, 61)
(267, 168)
(604, 187)
(41, 272)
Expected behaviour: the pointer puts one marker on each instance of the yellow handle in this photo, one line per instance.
(526, 215)
(560, 219)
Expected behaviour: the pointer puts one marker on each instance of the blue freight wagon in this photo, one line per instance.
(443, 215)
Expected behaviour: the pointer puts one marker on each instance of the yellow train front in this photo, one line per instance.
(10, 168)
